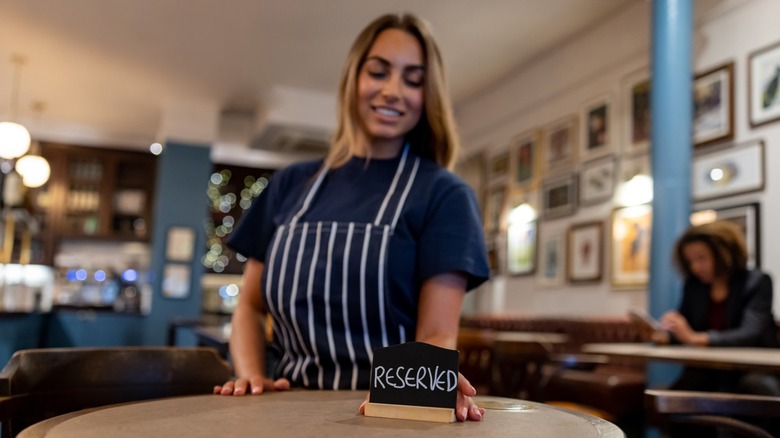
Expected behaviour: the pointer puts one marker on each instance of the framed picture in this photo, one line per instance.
(631, 232)
(552, 259)
(713, 105)
(764, 85)
(597, 128)
(585, 252)
(176, 280)
(747, 216)
(636, 100)
(631, 167)
(597, 181)
(560, 143)
(472, 170)
(495, 203)
(492, 254)
(727, 172)
(180, 244)
(521, 248)
(497, 167)
(559, 196)
(524, 152)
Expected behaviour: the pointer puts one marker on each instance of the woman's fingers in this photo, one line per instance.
(281, 384)
(464, 386)
(362, 408)
(255, 385)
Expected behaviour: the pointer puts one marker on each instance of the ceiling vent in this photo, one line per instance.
(295, 121)
(277, 137)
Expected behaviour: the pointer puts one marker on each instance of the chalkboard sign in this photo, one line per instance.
(415, 373)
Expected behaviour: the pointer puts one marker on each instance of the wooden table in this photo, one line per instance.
(729, 358)
(546, 339)
(308, 413)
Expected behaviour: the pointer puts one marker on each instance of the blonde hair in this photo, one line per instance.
(435, 136)
(724, 239)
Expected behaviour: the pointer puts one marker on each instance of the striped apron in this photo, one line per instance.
(326, 290)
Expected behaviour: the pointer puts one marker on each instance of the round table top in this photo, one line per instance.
(308, 413)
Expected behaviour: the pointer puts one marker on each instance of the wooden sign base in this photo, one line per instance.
(405, 412)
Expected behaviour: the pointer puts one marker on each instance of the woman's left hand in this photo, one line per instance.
(466, 408)
(678, 325)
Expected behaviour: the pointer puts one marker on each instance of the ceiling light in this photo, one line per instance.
(14, 138)
(34, 169)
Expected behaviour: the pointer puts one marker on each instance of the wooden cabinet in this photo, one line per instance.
(92, 193)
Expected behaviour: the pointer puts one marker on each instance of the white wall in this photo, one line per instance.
(558, 82)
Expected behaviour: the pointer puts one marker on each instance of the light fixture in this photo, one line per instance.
(522, 214)
(14, 138)
(636, 191)
(33, 168)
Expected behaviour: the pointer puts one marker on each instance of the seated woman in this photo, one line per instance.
(723, 304)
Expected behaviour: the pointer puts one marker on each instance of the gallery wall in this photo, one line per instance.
(601, 65)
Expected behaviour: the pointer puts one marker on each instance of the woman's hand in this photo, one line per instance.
(465, 408)
(660, 337)
(256, 385)
(678, 325)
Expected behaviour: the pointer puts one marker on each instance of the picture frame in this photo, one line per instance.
(176, 280)
(495, 205)
(636, 89)
(597, 181)
(551, 259)
(493, 255)
(498, 164)
(524, 152)
(713, 105)
(631, 167)
(630, 245)
(180, 244)
(559, 140)
(559, 196)
(521, 242)
(584, 252)
(764, 85)
(747, 217)
(597, 130)
(731, 171)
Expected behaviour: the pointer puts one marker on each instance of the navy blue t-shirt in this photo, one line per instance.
(439, 229)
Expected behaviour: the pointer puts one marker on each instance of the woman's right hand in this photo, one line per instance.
(256, 385)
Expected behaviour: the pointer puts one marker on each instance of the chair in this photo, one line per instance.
(475, 360)
(519, 368)
(42, 383)
(712, 409)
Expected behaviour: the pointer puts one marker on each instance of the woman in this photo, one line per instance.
(723, 304)
(374, 246)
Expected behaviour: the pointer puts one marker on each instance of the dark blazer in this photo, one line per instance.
(749, 311)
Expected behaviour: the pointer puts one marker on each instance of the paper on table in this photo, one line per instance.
(645, 318)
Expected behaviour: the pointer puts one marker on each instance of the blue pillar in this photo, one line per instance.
(182, 179)
(671, 152)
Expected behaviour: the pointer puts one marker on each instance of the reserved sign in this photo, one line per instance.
(417, 375)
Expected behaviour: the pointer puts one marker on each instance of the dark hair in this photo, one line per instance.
(723, 238)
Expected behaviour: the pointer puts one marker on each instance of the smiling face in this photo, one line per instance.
(390, 91)
(700, 260)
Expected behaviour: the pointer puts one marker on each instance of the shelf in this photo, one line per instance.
(96, 194)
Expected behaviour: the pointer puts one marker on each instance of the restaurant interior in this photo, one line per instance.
(158, 124)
